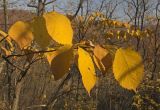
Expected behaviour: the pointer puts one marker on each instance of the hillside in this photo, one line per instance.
(22, 15)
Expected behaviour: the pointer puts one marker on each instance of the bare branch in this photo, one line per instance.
(34, 52)
(50, 2)
(33, 6)
(9, 62)
(79, 6)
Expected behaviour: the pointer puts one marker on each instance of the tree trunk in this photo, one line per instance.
(41, 8)
(5, 15)
(17, 96)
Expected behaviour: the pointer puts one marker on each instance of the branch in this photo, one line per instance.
(23, 73)
(114, 8)
(36, 106)
(79, 6)
(3, 39)
(50, 2)
(34, 52)
(5, 58)
(53, 96)
(33, 6)
(101, 5)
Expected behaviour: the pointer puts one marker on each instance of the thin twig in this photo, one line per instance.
(49, 2)
(7, 60)
(34, 52)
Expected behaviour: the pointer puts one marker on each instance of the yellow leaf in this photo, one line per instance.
(9, 41)
(80, 18)
(7, 52)
(40, 32)
(61, 61)
(59, 27)
(126, 25)
(54, 26)
(1, 37)
(102, 58)
(110, 34)
(122, 33)
(51, 55)
(128, 68)
(21, 33)
(138, 32)
(86, 68)
(99, 64)
(3, 33)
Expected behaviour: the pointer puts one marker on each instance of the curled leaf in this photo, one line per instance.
(61, 60)
(102, 58)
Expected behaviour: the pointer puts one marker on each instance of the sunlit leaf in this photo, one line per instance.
(128, 68)
(21, 33)
(87, 70)
(50, 55)
(52, 26)
(102, 58)
(61, 60)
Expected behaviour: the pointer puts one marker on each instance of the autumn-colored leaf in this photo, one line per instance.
(2, 34)
(102, 58)
(61, 61)
(21, 33)
(128, 68)
(52, 26)
(51, 55)
(59, 27)
(7, 52)
(40, 32)
(87, 70)
(1, 37)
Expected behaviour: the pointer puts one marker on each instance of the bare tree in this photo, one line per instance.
(5, 15)
(40, 7)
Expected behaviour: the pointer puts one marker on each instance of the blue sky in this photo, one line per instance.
(63, 5)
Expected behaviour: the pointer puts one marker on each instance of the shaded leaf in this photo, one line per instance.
(102, 58)
(21, 33)
(61, 61)
(40, 32)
